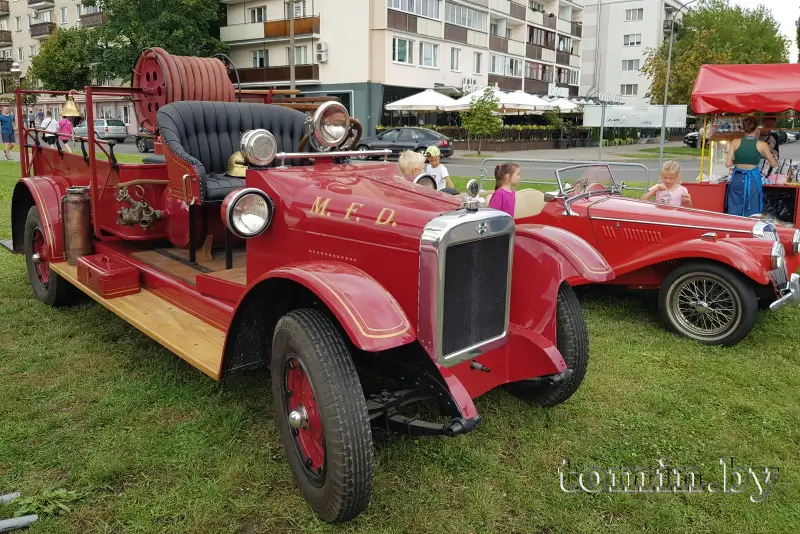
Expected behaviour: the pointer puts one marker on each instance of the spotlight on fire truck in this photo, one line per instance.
(247, 212)
(331, 124)
(259, 147)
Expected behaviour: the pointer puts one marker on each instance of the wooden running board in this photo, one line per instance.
(200, 344)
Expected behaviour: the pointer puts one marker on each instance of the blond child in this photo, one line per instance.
(411, 163)
(669, 190)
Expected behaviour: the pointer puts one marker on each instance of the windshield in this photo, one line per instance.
(115, 122)
(580, 179)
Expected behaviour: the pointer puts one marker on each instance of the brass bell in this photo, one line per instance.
(70, 108)
(236, 165)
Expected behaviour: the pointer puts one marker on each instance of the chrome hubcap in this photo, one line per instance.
(298, 418)
(36, 259)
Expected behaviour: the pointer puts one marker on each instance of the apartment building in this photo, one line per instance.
(24, 24)
(617, 35)
(372, 52)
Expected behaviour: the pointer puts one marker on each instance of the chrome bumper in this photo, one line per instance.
(790, 294)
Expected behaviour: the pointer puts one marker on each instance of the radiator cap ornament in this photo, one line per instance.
(471, 202)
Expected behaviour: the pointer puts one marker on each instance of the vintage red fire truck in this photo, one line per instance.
(307, 264)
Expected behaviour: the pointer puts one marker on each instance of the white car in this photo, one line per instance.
(791, 136)
(105, 129)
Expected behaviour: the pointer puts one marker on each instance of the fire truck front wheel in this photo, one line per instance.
(48, 286)
(322, 415)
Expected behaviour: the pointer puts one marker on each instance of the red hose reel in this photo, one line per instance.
(165, 78)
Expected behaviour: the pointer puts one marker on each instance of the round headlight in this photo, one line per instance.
(331, 124)
(259, 147)
(778, 255)
(247, 212)
(796, 242)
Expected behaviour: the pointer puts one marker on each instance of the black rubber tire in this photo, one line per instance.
(742, 289)
(572, 340)
(346, 488)
(428, 183)
(421, 150)
(120, 141)
(57, 292)
(141, 145)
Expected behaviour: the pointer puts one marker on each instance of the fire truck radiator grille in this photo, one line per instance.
(475, 282)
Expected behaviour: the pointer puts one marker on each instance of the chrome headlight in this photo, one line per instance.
(764, 230)
(778, 256)
(331, 124)
(259, 147)
(796, 242)
(247, 212)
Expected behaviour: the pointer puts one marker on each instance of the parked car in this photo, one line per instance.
(692, 139)
(144, 141)
(792, 136)
(399, 139)
(711, 270)
(105, 129)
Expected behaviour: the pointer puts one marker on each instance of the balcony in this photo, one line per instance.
(5, 38)
(277, 75)
(280, 28)
(5, 64)
(42, 30)
(4, 8)
(517, 10)
(550, 21)
(576, 29)
(506, 46)
(506, 83)
(562, 58)
(40, 4)
(92, 20)
(533, 51)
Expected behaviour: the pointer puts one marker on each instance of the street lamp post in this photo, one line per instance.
(290, 5)
(666, 81)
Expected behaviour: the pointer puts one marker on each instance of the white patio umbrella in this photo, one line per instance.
(463, 103)
(522, 101)
(428, 100)
(564, 105)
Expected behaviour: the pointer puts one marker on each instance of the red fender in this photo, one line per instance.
(369, 314)
(46, 192)
(750, 256)
(586, 264)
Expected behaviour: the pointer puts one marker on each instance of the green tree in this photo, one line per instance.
(480, 120)
(181, 27)
(63, 61)
(713, 33)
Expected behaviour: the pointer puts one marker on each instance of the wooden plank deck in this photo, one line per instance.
(175, 261)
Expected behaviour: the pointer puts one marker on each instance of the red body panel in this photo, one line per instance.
(638, 238)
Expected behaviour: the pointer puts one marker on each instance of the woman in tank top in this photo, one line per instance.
(745, 195)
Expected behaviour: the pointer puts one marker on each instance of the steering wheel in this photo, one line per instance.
(354, 136)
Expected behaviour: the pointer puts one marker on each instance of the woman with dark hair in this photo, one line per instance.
(745, 194)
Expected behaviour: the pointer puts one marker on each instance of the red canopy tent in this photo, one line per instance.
(770, 88)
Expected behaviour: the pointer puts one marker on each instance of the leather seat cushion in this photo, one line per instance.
(528, 203)
(219, 185)
(154, 159)
(206, 134)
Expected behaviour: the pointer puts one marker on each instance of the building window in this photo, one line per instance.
(534, 71)
(300, 55)
(454, 57)
(466, 17)
(634, 14)
(299, 9)
(125, 115)
(45, 16)
(630, 64)
(496, 65)
(508, 33)
(634, 39)
(20, 54)
(34, 51)
(401, 50)
(78, 11)
(477, 58)
(88, 10)
(258, 14)
(260, 58)
(575, 77)
(3, 25)
(427, 54)
(536, 36)
(492, 29)
(564, 44)
(18, 21)
(563, 75)
(64, 19)
(629, 89)
(505, 66)
(423, 8)
(535, 6)
(513, 67)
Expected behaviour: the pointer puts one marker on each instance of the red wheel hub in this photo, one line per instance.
(39, 255)
(303, 416)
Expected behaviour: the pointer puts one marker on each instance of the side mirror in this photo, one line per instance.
(550, 196)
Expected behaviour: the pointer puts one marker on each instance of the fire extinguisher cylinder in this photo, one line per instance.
(77, 216)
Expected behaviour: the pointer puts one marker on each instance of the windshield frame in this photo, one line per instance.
(614, 189)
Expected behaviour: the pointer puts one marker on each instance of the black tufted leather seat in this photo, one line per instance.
(205, 134)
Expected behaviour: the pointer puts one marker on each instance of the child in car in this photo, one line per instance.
(436, 169)
(411, 164)
(506, 178)
(669, 191)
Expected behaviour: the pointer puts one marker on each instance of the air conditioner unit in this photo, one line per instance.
(322, 46)
(322, 57)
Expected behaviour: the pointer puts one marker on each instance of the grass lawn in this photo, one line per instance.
(651, 153)
(150, 445)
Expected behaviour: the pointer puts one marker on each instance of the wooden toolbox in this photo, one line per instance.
(108, 277)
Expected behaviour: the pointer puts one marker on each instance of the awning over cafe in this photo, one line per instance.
(772, 88)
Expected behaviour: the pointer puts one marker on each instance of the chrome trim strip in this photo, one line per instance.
(674, 225)
(459, 226)
(283, 156)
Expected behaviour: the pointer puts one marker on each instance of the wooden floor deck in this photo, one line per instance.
(175, 261)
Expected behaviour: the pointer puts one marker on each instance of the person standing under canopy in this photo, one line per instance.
(745, 193)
